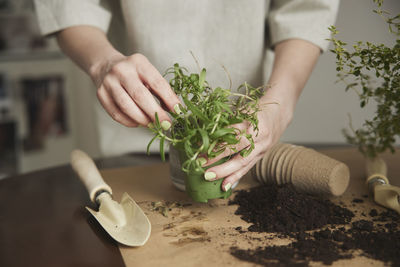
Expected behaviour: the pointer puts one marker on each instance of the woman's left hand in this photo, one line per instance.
(293, 64)
(273, 120)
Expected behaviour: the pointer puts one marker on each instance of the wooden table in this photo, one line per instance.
(43, 221)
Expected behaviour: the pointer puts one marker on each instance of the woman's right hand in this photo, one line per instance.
(127, 87)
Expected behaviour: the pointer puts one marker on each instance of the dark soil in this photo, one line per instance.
(283, 210)
(358, 200)
(288, 213)
(373, 213)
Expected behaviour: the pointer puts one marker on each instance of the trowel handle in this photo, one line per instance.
(376, 170)
(87, 171)
(376, 167)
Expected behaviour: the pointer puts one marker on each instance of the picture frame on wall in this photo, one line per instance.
(6, 103)
(8, 148)
(45, 110)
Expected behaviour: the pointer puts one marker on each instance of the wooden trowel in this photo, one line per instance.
(125, 221)
(384, 194)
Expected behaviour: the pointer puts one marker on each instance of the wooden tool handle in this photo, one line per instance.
(87, 171)
(376, 166)
(376, 170)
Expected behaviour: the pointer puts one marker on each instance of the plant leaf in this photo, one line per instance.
(196, 111)
(205, 140)
(162, 152)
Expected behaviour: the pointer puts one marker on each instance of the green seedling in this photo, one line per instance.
(205, 125)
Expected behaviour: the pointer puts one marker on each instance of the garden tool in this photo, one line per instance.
(125, 221)
(378, 184)
(306, 169)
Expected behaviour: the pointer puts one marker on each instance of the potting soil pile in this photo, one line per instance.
(319, 230)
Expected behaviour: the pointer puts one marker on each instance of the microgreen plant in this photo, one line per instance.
(206, 125)
(373, 72)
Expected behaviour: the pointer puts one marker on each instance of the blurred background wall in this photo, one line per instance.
(323, 109)
(46, 103)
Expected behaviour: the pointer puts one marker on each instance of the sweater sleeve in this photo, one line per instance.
(55, 15)
(302, 19)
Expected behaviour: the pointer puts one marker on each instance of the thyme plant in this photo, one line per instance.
(205, 125)
(373, 72)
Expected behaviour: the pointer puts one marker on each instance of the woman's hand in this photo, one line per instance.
(293, 64)
(126, 85)
(127, 88)
(273, 120)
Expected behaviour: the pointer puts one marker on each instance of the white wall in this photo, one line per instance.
(322, 110)
(84, 97)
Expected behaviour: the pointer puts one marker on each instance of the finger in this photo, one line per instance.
(240, 126)
(228, 168)
(124, 102)
(143, 98)
(150, 75)
(236, 176)
(110, 107)
(243, 143)
(159, 101)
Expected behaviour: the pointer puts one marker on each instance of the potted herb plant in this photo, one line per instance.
(204, 127)
(373, 72)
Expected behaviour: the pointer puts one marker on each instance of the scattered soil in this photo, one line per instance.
(373, 213)
(166, 207)
(321, 230)
(358, 200)
(188, 240)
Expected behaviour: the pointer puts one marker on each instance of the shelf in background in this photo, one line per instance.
(32, 56)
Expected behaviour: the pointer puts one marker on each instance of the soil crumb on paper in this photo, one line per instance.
(188, 240)
(191, 234)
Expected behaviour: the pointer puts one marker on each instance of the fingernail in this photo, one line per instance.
(177, 109)
(150, 125)
(165, 125)
(227, 187)
(202, 161)
(210, 175)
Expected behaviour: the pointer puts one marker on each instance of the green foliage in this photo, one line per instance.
(373, 72)
(204, 128)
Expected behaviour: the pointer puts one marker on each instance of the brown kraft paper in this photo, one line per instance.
(197, 234)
